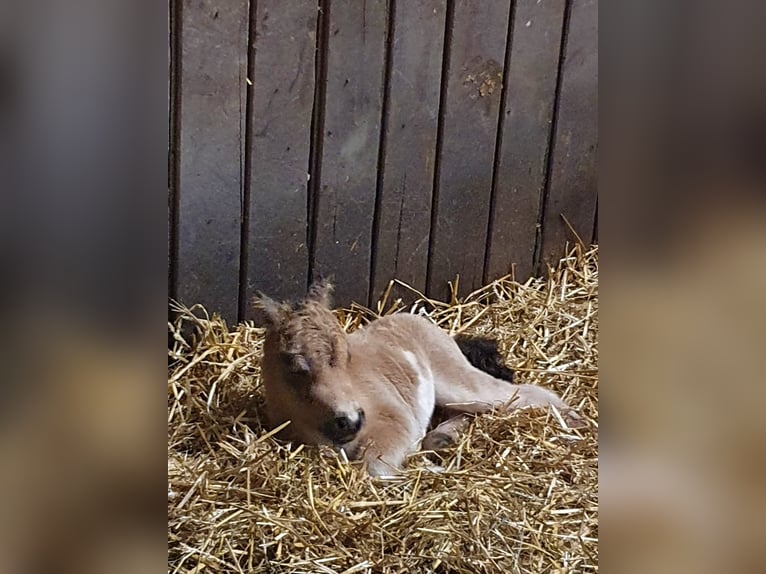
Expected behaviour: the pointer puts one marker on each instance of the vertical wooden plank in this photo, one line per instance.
(594, 240)
(280, 133)
(354, 99)
(470, 117)
(404, 215)
(526, 125)
(174, 99)
(572, 186)
(214, 66)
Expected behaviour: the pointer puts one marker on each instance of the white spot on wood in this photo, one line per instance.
(355, 142)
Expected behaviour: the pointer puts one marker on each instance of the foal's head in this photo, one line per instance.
(306, 354)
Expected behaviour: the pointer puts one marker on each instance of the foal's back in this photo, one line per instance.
(434, 355)
(416, 351)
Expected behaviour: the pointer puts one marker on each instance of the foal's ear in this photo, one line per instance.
(268, 313)
(321, 292)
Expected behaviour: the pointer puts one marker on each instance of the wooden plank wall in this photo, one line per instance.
(406, 171)
(418, 139)
(279, 146)
(570, 203)
(345, 188)
(532, 64)
(473, 80)
(212, 80)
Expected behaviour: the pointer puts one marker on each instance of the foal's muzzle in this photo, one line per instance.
(344, 427)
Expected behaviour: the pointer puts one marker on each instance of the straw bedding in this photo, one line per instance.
(518, 494)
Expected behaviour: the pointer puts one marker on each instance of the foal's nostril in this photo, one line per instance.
(347, 425)
(360, 419)
(343, 427)
(343, 423)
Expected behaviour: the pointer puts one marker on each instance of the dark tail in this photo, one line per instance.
(483, 354)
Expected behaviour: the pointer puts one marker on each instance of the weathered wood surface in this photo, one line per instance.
(443, 138)
(594, 239)
(406, 186)
(522, 158)
(280, 139)
(353, 106)
(572, 194)
(470, 117)
(212, 150)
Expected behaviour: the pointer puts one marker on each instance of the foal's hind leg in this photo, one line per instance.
(531, 396)
(462, 387)
(448, 432)
(476, 392)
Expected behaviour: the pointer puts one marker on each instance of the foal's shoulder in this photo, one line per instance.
(400, 324)
(404, 320)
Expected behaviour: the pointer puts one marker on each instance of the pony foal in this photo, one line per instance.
(372, 392)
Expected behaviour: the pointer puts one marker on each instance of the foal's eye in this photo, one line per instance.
(301, 365)
(296, 364)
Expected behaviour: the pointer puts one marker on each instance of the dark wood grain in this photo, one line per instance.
(573, 187)
(174, 133)
(435, 149)
(211, 155)
(470, 116)
(404, 215)
(280, 139)
(526, 126)
(352, 117)
(595, 226)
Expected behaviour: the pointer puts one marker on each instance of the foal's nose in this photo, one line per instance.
(349, 424)
(345, 426)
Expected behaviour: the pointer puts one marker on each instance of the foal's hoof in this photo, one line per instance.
(573, 420)
(437, 441)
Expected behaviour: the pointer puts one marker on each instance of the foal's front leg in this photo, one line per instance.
(387, 450)
(446, 434)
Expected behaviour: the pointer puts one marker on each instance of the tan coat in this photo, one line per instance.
(385, 378)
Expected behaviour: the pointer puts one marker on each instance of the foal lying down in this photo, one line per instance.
(372, 392)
